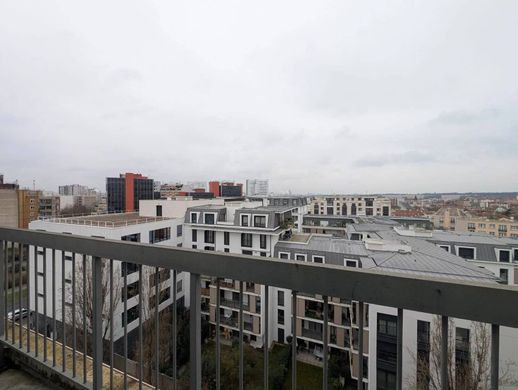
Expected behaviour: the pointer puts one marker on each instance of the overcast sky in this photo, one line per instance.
(345, 96)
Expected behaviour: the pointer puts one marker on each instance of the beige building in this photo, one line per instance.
(446, 218)
(17, 207)
(493, 227)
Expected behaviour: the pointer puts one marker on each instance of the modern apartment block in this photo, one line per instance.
(125, 192)
(493, 227)
(350, 205)
(238, 227)
(257, 187)
(18, 207)
(75, 189)
(126, 227)
(226, 189)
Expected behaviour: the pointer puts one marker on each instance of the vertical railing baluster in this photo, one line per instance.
(241, 358)
(125, 289)
(294, 341)
(111, 323)
(399, 376)
(54, 289)
(195, 331)
(3, 294)
(97, 323)
(20, 282)
(174, 329)
(5, 272)
(28, 330)
(45, 305)
(444, 352)
(140, 330)
(495, 356)
(325, 341)
(36, 310)
(63, 311)
(74, 331)
(360, 346)
(157, 327)
(13, 282)
(218, 335)
(85, 340)
(266, 343)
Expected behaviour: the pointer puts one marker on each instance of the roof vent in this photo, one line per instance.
(404, 251)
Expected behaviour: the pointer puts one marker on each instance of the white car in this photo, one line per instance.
(18, 314)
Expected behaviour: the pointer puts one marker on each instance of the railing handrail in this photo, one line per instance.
(484, 302)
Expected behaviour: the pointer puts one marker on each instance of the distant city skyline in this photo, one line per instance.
(345, 98)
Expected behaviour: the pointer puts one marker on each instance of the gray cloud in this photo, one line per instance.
(300, 94)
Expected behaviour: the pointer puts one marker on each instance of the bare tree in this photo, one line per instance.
(84, 290)
(472, 372)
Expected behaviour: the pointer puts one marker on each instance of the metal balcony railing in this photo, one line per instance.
(87, 365)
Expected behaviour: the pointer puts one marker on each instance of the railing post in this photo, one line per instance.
(97, 324)
(360, 346)
(444, 353)
(495, 355)
(195, 331)
(3, 270)
(399, 379)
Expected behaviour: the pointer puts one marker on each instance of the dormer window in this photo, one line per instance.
(244, 220)
(260, 221)
(466, 252)
(209, 219)
(504, 256)
(194, 218)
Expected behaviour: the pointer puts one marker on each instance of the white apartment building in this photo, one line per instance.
(246, 228)
(126, 227)
(256, 187)
(354, 205)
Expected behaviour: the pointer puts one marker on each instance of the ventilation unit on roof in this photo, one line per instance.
(404, 251)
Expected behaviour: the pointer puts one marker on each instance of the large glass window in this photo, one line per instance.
(262, 241)
(159, 235)
(209, 236)
(504, 256)
(226, 238)
(209, 219)
(246, 240)
(244, 220)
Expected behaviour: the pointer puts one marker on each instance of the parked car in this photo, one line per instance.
(18, 314)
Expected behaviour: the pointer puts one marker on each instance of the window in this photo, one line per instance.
(209, 236)
(132, 290)
(226, 238)
(179, 285)
(280, 298)
(246, 240)
(260, 221)
(351, 263)
(264, 254)
(445, 247)
(194, 235)
(131, 237)
(194, 246)
(504, 275)
(158, 210)
(504, 256)
(249, 253)
(516, 255)
(466, 253)
(128, 268)
(209, 218)
(194, 218)
(226, 250)
(209, 248)
(132, 315)
(284, 255)
(179, 230)
(280, 317)
(262, 241)
(300, 257)
(244, 220)
(319, 259)
(159, 235)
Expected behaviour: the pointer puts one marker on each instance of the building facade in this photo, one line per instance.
(350, 205)
(493, 227)
(257, 187)
(125, 192)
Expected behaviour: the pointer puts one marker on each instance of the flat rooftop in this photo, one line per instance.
(109, 220)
